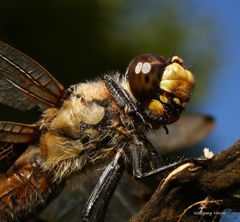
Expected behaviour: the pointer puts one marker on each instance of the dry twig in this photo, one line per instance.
(197, 192)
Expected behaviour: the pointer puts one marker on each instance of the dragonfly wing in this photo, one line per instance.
(24, 84)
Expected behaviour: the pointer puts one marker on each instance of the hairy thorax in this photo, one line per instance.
(82, 131)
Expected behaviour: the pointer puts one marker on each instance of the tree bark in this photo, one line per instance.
(197, 192)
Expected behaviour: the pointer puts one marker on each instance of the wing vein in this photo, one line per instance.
(27, 74)
(19, 68)
(25, 84)
(27, 92)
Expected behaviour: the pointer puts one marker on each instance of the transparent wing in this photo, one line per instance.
(9, 153)
(14, 139)
(189, 130)
(11, 132)
(24, 84)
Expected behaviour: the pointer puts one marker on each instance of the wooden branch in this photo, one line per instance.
(193, 192)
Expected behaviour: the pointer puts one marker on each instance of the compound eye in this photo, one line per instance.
(144, 75)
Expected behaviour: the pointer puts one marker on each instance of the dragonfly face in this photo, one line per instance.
(83, 127)
(160, 85)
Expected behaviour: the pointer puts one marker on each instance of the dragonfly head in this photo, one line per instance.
(162, 86)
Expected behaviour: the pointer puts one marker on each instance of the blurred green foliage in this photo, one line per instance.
(77, 40)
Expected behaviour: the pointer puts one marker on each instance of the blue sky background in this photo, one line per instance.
(222, 97)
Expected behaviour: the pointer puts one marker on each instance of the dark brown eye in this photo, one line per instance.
(144, 75)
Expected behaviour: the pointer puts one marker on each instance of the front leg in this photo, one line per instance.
(158, 166)
(122, 98)
(104, 189)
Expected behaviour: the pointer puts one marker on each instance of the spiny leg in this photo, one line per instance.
(137, 155)
(155, 158)
(104, 189)
(122, 98)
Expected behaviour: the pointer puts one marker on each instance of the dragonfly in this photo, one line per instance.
(106, 123)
